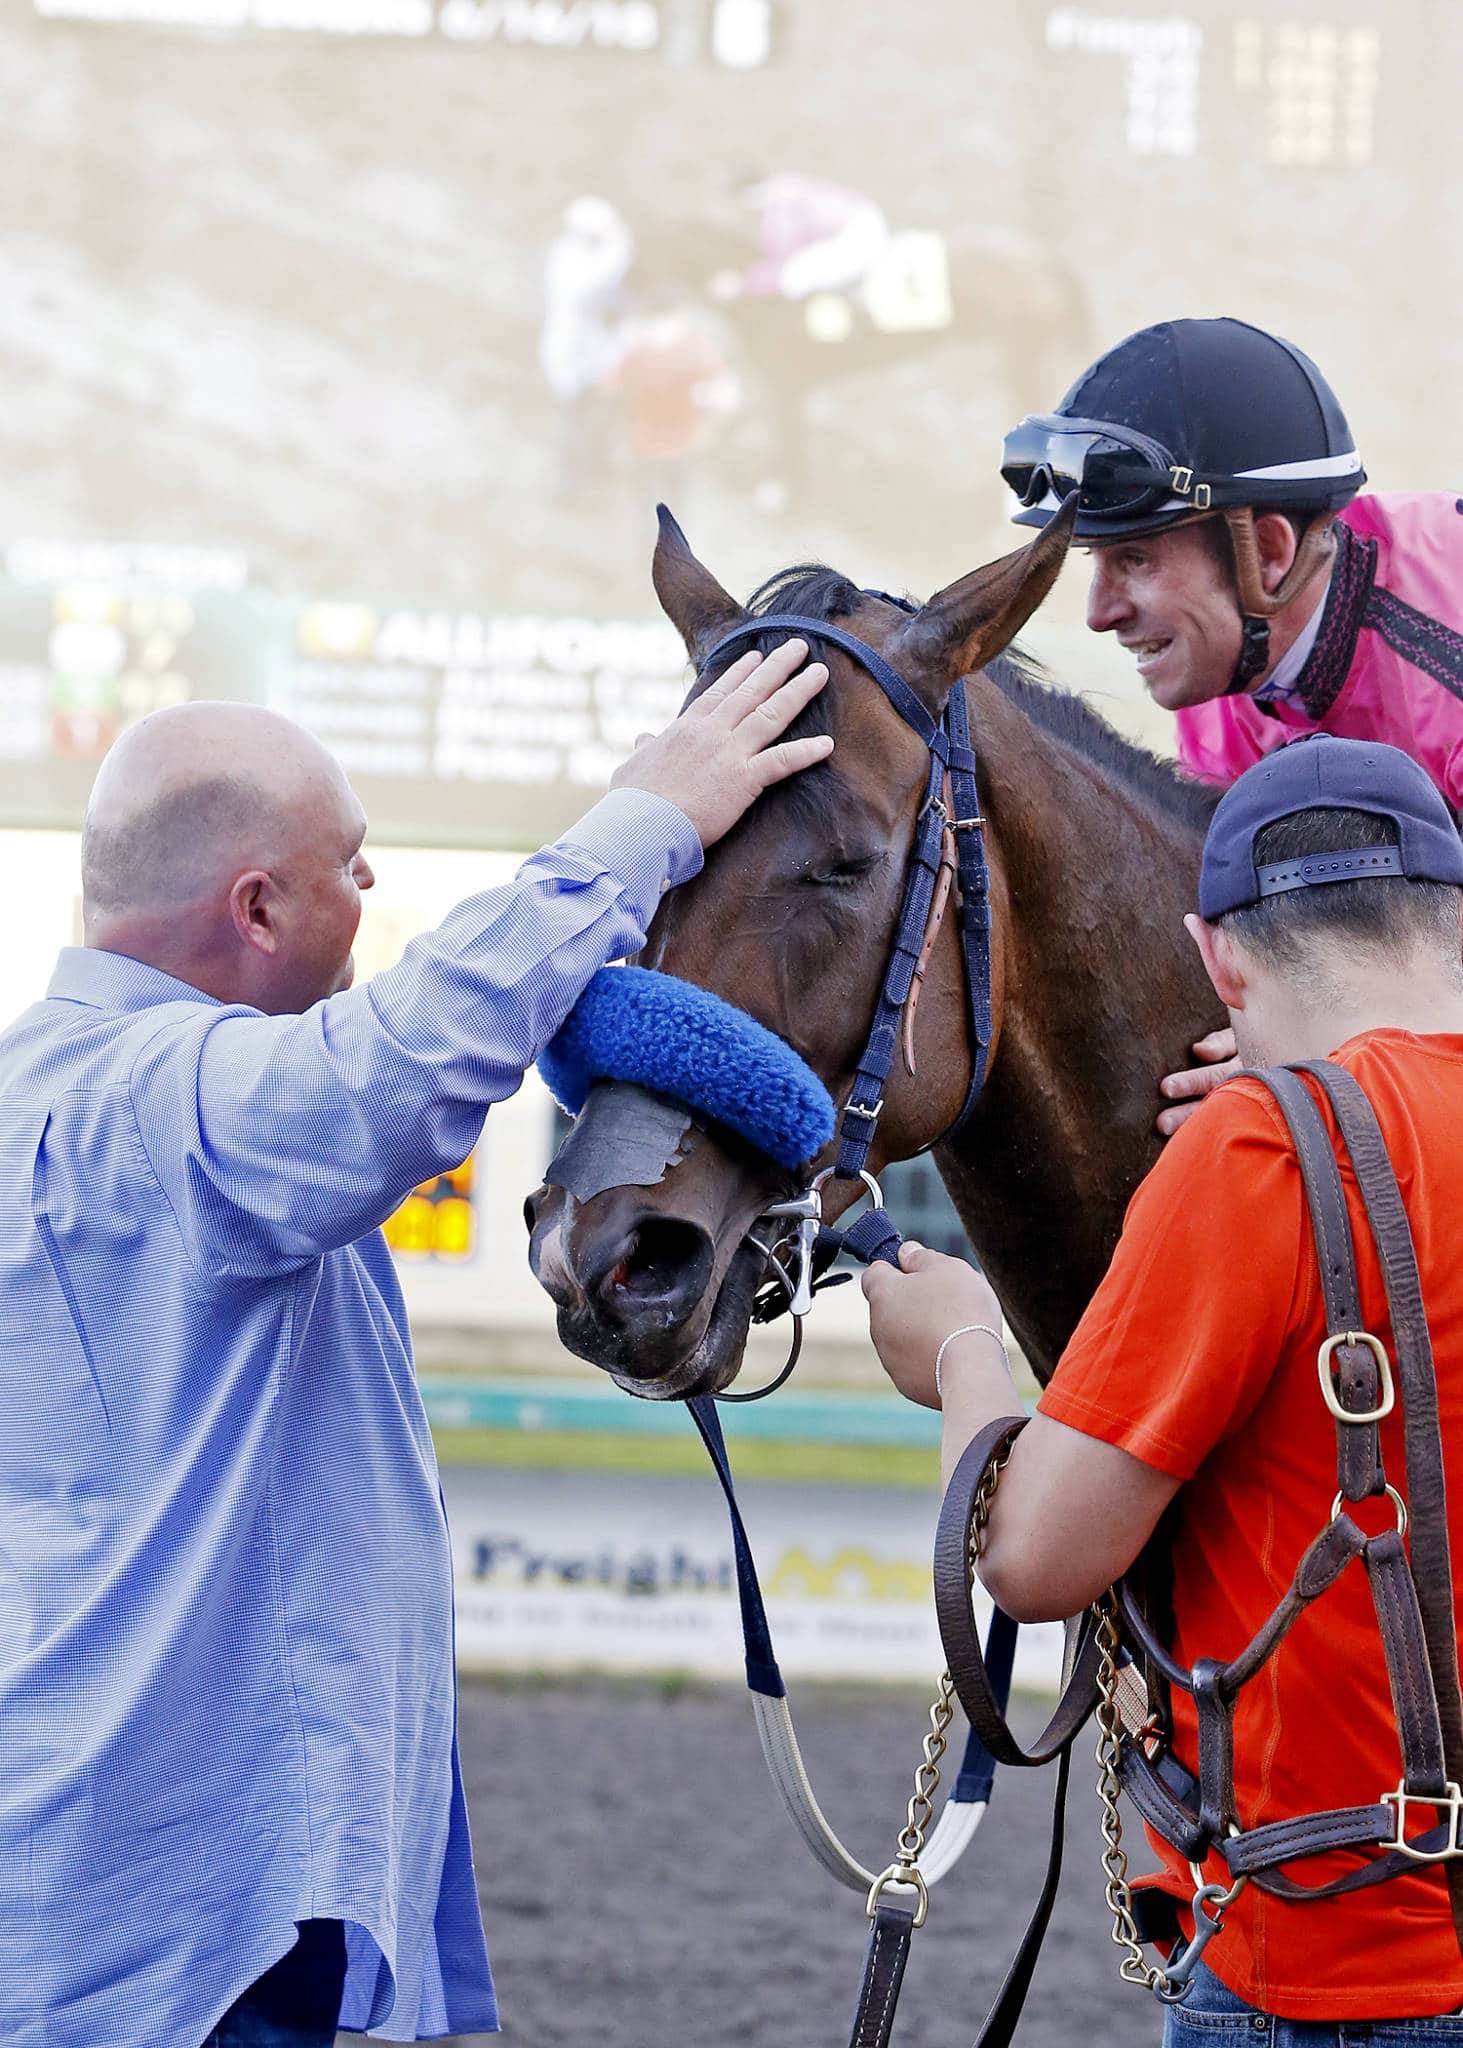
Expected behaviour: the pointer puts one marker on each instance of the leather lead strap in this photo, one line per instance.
(982, 1696)
(958, 1631)
(1001, 2020)
(884, 1961)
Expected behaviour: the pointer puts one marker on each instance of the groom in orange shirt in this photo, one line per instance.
(1330, 900)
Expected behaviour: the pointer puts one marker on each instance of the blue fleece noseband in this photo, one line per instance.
(635, 1025)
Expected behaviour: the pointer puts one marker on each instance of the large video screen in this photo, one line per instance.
(348, 344)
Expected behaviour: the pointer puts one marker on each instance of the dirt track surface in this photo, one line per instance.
(642, 1887)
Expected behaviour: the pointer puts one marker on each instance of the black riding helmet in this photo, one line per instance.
(1179, 418)
(1184, 419)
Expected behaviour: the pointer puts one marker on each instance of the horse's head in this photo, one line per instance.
(641, 1235)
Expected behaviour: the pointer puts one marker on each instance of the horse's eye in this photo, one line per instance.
(842, 874)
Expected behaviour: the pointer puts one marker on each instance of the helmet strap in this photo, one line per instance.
(1254, 653)
(1259, 605)
(1314, 546)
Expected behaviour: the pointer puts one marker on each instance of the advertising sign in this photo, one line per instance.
(558, 1571)
(456, 728)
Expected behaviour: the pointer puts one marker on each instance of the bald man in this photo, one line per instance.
(230, 1805)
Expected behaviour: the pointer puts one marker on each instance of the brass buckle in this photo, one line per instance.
(1388, 1393)
(1451, 1803)
(907, 1875)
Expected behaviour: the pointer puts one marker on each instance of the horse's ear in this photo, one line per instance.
(970, 622)
(690, 596)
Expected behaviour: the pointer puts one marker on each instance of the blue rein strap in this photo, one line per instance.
(762, 1673)
(874, 1236)
(977, 1767)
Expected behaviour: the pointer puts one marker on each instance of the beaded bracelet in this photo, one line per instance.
(968, 1330)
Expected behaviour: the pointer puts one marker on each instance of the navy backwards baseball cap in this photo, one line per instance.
(1321, 773)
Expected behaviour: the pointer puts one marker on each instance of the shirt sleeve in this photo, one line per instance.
(275, 1139)
(1180, 1340)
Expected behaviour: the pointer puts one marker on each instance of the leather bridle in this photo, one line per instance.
(948, 857)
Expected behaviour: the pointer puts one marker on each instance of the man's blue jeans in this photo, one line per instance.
(297, 2003)
(1211, 2016)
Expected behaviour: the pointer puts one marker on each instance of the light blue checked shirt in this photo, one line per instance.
(227, 1698)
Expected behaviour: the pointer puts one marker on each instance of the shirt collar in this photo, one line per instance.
(1281, 685)
(114, 981)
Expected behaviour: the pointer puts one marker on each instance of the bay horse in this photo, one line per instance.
(1093, 847)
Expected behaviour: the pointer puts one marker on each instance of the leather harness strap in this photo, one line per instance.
(1413, 1598)
(1427, 1501)
(1412, 1595)
(1358, 1445)
(944, 879)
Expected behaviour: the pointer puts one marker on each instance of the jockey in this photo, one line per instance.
(1262, 597)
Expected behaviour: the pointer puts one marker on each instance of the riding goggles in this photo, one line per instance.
(1114, 469)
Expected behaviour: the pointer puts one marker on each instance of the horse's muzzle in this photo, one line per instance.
(638, 1293)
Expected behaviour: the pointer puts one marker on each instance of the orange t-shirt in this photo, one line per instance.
(1198, 1355)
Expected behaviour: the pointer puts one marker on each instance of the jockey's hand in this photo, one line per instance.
(1221, 1060)
(722, 752)
(912, 1312)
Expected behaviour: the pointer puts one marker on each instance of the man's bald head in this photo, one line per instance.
(197, 804)
(189, 795)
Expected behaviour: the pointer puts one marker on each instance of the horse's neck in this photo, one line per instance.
(1102, 994)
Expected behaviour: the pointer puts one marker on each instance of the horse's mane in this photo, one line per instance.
(811, 588)
(1070, 718)
(819, 592)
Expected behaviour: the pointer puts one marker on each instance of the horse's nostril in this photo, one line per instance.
(660, 1259)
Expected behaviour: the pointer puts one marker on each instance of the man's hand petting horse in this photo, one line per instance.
(1221, 1060)
(716, 759)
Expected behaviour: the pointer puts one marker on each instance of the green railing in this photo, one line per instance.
(454, 1403)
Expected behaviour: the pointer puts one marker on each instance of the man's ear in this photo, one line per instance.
(1222, 963)
(252, 910)
(1276, 546)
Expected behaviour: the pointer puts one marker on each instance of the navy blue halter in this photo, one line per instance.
(948, 741)
(875, 1235)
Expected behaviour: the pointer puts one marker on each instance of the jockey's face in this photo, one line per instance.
(1172, 603)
